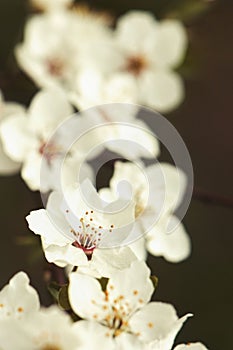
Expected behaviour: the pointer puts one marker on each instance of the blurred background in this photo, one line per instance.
(202, 284)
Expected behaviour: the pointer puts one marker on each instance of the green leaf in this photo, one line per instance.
(54, 289)
(63, 299)
(155, 281)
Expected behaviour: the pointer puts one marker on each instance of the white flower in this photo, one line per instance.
(32, 328)
(123, 307)
(157, 191)
(73, 231)
(57, 45)
(7, 166)
(116, 128)
(18, 299)
(151, 50)
(26, 139)
(191, 346)
(137, 66)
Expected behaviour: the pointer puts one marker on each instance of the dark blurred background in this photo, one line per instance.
(204, 283)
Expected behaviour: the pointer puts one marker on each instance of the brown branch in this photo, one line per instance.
(212, 198)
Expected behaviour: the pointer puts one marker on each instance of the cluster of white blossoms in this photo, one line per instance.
(79, 60)
(118, 317)
(79, 50)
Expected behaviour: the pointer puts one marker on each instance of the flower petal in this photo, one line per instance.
(162, 90)
(174, 246)
(86, 297)
(171, 43)
(18, 299)
(40, 222)
(191, 346)
(133, 284)
(157, 322)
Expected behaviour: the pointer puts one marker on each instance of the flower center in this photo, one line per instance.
(88, 234)
(135, 65)
(55, 67)
(49, 151)
(51, 347)
(117, 318)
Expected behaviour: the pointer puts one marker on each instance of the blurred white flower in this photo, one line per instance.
(56, 45)
(73, 231)
(116, 128)
(26, 139)
(157, 191)
(18, 299)
(138, 66)
(151, 49)
(123, 308)
(7, 165)
(32, 328)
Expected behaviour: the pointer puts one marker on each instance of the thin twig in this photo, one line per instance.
(212, 198)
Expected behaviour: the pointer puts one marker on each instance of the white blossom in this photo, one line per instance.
(56, 46)
(141, 63)
(116, 128)
(26, 139)
(18, 299)
(123, 307)
(7, 166)
(151, 50)
(157, 191)
(33, 328)
(74, 233)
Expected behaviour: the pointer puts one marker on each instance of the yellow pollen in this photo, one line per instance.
(140, 301)
(95, 316)
(135, 292)
(117, 332)
(1, 305)
(105, 307)
(20, 309)
(51, 347)
(150, 325)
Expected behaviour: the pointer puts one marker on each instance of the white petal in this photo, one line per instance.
(133, 284)
(16, 136)
(157, 322)
(134, 140)
(48, 109)
(139, 248)
(42, 224)
(91, 335)
(191, 346)
(44, 330)
(171, 43)
(18, 299)
(174, 246)
(7, 166)
(169, 183)
(162, 90)
(108, 261)
(135, 30)
(127, 341)
(86, 297)
(65, 255)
